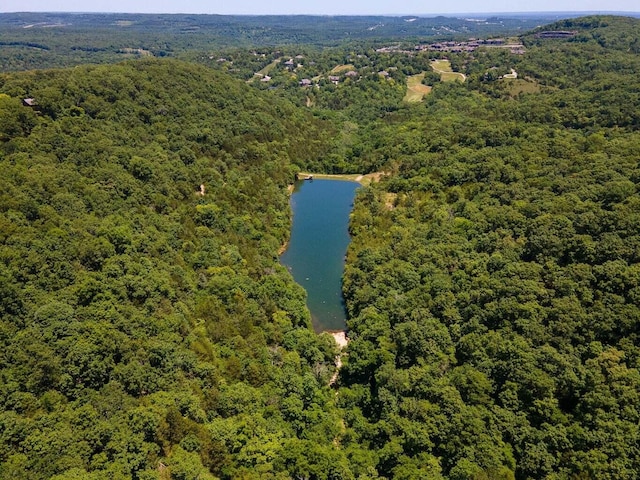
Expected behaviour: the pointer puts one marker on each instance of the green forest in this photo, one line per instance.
(45, 40)
(492, 285)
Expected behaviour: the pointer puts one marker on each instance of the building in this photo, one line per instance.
(556, 34)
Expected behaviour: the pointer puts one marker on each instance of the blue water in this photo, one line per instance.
(317, 247)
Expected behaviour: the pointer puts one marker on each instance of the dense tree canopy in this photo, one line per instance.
(143, 322)
(492, 285)
(493, 276)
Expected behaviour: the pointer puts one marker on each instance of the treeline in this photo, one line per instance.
(147, 329)
(492, 283)
(47, 40)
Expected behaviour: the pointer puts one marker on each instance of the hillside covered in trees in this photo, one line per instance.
(143, 323)
(493, 278)
(45, 40)
(492, 285)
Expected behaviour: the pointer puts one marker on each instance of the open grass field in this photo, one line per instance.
(415, 89)
(520, 85)
(268, 68)
(342, 68)
(443, 67)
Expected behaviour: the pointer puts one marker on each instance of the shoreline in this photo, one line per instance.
(285, 245)
(283, 248)
(363, 179)
(340, 336)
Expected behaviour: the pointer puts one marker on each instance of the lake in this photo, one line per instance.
(318, 245)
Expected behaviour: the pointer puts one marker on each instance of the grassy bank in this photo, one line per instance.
(348, 177)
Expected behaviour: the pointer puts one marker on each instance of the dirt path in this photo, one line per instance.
(443, 67)
(349, 177)
(341, 339)
(447, 76)
(415, 89)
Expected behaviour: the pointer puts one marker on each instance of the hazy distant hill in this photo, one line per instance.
(39, 40)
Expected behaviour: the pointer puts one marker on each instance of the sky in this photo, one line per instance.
(319, 7)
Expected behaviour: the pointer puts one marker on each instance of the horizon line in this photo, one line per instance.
(419, 15)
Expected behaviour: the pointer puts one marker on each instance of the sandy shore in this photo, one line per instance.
(283, 248)
(341, 338)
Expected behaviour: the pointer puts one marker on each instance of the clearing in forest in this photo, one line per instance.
(366, 179)
(136, 51)
(342, 68)
(415, 89)
(265, 71)
(271, 66)
(443, 67)
(522, 85)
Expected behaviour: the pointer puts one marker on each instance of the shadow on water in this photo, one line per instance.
(318, 245)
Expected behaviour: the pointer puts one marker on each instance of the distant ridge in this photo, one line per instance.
(478, 14)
